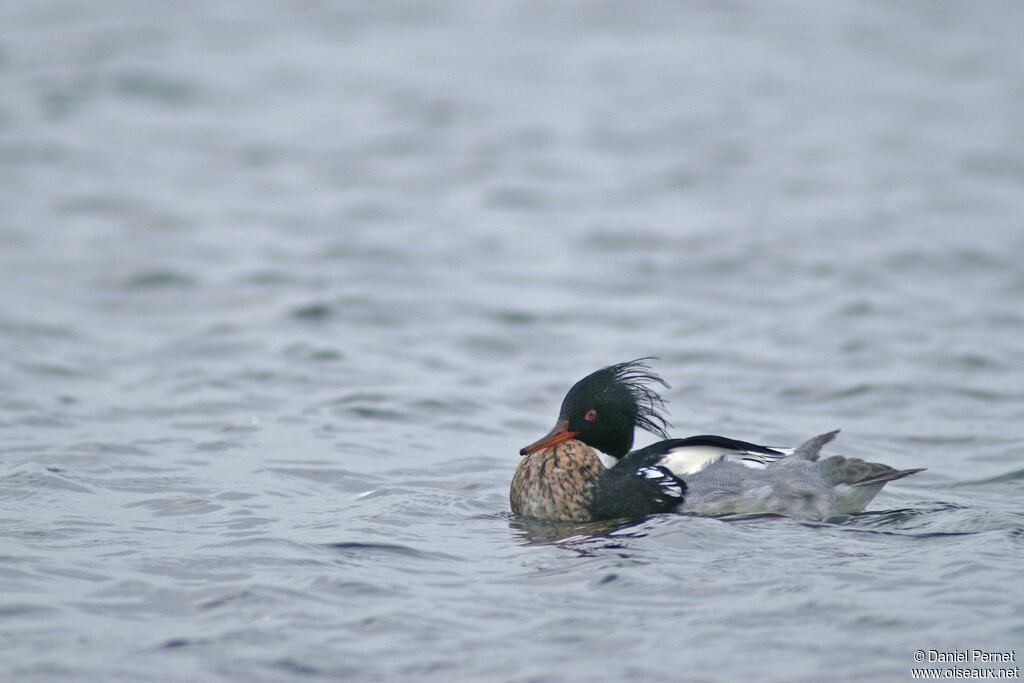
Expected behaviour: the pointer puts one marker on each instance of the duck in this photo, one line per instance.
(585, 470)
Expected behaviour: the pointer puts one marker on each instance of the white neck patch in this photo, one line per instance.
(607, 460)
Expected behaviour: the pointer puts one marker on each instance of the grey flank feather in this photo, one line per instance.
(811, 449)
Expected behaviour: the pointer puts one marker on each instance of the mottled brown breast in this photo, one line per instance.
(556, 483)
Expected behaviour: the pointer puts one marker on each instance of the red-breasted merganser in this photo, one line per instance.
(583, 470)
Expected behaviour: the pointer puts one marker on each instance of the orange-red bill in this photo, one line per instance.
(557, 435)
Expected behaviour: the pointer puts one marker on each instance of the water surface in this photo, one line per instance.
(286, 286)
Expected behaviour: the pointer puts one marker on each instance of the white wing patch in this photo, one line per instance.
(669, 486)
(672, 490)
(692, 459)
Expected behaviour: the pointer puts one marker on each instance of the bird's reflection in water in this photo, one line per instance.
(540, 532)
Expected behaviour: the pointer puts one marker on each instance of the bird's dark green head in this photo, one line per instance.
(604, 409)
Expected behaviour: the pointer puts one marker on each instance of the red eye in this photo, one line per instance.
(591, 415)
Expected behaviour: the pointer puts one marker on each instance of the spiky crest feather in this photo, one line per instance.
(636, 376)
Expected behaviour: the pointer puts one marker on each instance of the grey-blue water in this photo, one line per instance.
(285, 286)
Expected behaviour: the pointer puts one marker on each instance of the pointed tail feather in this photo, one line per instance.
(890, 475)
(863, 480)
(857, 472)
